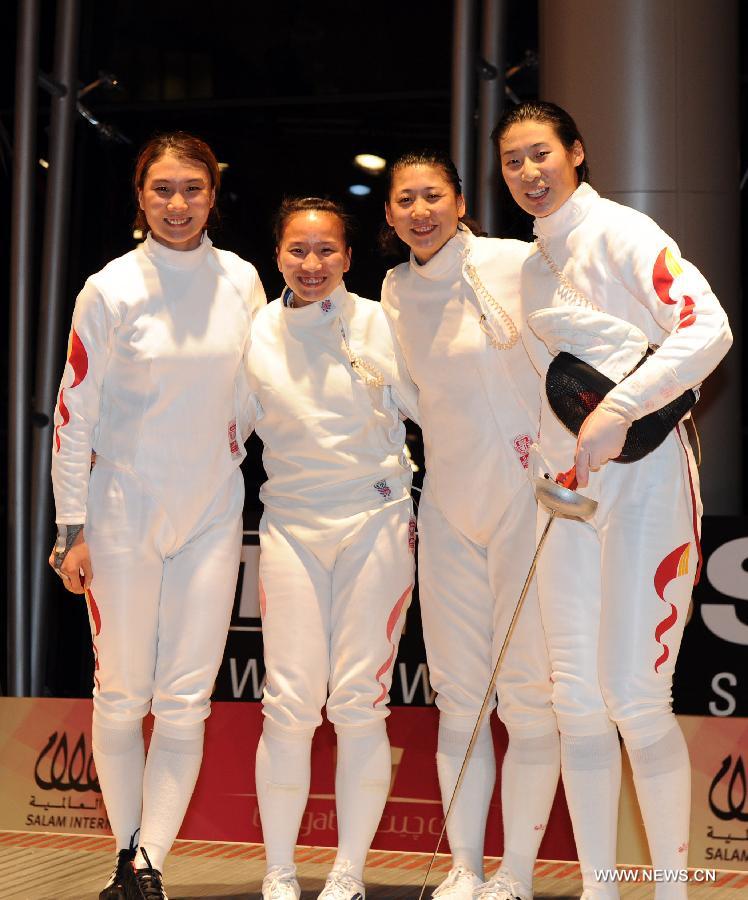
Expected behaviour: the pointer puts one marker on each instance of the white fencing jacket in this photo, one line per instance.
(479, 405)
(156, 346)
(625, 266)
(332, 441)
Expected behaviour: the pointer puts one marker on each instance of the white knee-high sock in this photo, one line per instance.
(282, 775)
(466, 827)
(362, 782)
(662, 775)
(529, 778)
(120, 757)
(591, 770)
(171, 771)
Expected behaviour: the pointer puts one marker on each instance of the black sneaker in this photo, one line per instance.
(114, 889)
(144, 884)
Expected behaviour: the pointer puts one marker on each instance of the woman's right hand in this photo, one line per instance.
(75, 570)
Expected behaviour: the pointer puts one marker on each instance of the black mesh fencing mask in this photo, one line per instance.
(574, 388)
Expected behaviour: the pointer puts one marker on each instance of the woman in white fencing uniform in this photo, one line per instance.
(455, 311)
(603, 282)
(153, 534)
(336, 540)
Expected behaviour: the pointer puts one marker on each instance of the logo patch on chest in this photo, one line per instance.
(383, 489)
(522, 444)
(233, 442)
(326, 305)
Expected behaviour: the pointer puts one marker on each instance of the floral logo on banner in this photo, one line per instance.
(731, 803)
(57, 769)
(63, 774)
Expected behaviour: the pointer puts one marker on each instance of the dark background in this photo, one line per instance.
(286, 93)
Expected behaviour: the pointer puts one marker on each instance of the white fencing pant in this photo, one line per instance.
(161, 597)
(468, 594)
(333, 596)
(333, 607)
(159, 606)
(614, 594)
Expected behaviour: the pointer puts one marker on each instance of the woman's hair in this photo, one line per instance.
(389, 243)
(293, 205)
(184, 146)
(542, 111)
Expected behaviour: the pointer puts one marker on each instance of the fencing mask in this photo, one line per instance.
(587, 344)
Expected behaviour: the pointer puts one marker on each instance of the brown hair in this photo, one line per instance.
(389, 243)
(184, 146)
(293, 205)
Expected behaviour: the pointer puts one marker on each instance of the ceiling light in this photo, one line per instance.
(359, 190)
(370, 162)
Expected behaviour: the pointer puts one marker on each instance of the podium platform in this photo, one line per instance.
(37, 866)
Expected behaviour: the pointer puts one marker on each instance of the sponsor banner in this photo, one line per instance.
(711, 678)
(48, 783)
(47, 775)
(718, 748)
(48, 779)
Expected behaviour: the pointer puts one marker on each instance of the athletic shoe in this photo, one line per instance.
(144, 884)
(114, 889)
(341, 885)
(280, 884)
(460, 884)
(502, 887)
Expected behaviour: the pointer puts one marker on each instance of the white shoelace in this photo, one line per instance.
(279, 883)
(341, 885)
(455, 874)
(502, 883)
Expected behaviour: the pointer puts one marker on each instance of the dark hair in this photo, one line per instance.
(542, 111)
(293, 205)
(184, 146)
(389, 243)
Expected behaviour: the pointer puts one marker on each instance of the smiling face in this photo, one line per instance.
(176, 198)
(312, 255)
(424, 209)
(538, 170)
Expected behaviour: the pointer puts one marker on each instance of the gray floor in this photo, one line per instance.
(36, 866)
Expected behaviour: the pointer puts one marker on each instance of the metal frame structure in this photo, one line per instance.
(28, 474)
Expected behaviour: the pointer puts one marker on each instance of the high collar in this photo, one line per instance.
(185, 260)
(317, 313)
(569, 214)
(447, 258)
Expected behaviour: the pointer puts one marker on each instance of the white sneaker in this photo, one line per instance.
(280, 884)
(341, 885)
(460, 884)
(502, 887)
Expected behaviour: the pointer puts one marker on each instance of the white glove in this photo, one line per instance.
(601, 438)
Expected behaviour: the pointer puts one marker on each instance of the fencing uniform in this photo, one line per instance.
(155, 354)
(615, 590)
(336, 562)
(478, 402)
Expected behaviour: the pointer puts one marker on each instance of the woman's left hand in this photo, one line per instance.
(601, 438)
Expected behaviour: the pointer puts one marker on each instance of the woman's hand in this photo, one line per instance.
(75, 569)
(601, 438)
